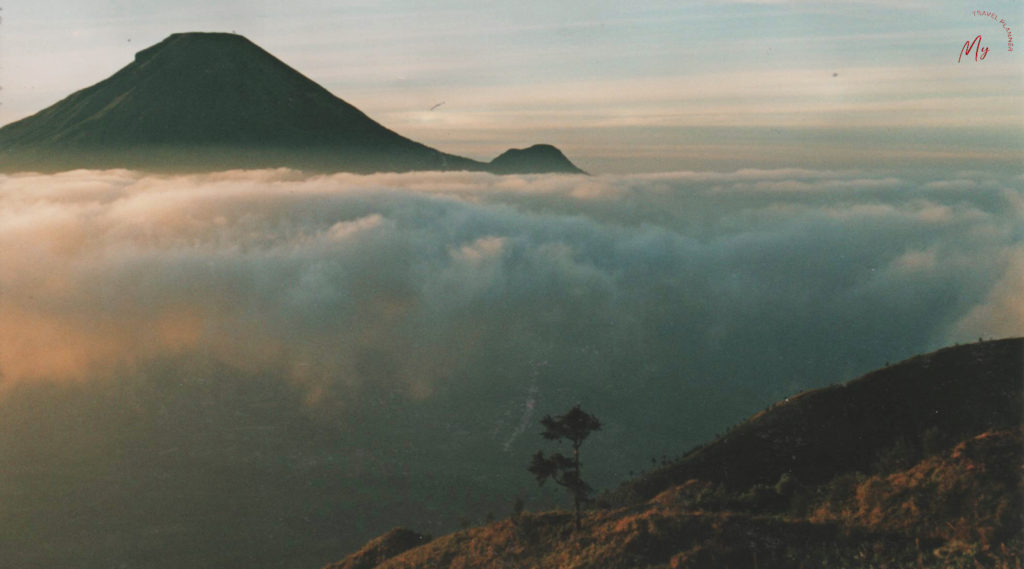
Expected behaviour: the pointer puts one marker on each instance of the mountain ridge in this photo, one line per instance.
(929, 494)
(212, 100)
(794, 435)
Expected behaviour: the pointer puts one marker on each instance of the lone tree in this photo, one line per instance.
(576, 426)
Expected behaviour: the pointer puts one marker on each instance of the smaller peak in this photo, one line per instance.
(535, 150)
(536, 159)
(542, 147)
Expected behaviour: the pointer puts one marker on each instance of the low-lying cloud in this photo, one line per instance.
(430, 271)
(458, 308)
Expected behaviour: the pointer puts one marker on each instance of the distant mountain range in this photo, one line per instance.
(210, 101)
(914, 465)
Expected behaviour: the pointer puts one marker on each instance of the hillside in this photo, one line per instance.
(202, 101)
(923, 404)
(915, 465)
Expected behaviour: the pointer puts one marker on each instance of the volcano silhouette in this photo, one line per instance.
(203, 101)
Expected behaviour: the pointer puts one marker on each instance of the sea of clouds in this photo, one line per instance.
(438, 316)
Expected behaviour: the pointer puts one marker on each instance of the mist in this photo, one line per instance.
(288, 365)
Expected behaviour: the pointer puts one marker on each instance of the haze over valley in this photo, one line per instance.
(259, 366)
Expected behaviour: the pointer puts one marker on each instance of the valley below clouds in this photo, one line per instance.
(253, 364)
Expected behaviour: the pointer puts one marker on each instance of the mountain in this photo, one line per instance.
(537, 159)
(914, 465)
(206, 101)
(929, 401)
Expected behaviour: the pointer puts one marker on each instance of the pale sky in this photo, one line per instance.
(620, 87)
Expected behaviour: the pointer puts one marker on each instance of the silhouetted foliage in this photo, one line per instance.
(786, 485)
(575, 426)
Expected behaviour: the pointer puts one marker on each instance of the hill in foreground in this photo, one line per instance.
(915, 465)
(207, 101)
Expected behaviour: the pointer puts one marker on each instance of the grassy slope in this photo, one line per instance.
(926, 403)
(930, 478)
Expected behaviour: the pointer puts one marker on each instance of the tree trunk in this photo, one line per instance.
(579, 521)
(576, 491)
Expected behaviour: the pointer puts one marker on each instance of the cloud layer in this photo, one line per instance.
(432, 318)
(260, 268)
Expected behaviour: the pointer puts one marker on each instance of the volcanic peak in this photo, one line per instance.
(209, 100)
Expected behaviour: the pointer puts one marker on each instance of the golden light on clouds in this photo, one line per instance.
(404, 279)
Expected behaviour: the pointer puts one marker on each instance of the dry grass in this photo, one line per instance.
(958, 509)
(929, 504)
(913, 518)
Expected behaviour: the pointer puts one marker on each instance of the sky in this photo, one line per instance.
(621, 87)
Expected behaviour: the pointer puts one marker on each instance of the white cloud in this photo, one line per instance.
(101, 268)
